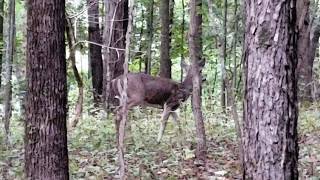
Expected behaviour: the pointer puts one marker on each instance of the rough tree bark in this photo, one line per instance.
(195, 44)
(95, 55)
(1, 36)
(116, 22)
(165, 61)
(270, 107)
(149, 37)
(8, 75)
(46, 153)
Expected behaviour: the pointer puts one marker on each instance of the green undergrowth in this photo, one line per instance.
(93, 154)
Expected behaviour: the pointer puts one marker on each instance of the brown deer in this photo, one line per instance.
(162, 93)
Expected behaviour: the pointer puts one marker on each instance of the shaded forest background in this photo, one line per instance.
(91, 133)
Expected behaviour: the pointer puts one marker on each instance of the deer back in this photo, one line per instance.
(145, 89)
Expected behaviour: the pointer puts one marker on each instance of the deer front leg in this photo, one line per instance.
(164, 120)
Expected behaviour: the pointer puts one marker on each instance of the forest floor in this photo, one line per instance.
(92, 150)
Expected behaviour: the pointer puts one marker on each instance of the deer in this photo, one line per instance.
(157, 92)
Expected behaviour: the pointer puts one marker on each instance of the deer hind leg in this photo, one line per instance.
(164, 119)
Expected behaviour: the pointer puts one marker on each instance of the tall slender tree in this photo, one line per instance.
(71, 39)
(139, 55)
(270, 108)
(308, 39)
(95, 55)
(1, 36)
(9, 60)
(149, 37)
(46, 153)
(304, 64)
(195, 44)
(224, 56)
(114, 38)
(182, 62)
(165, 61)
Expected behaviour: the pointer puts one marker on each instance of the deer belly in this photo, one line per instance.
(157, 98)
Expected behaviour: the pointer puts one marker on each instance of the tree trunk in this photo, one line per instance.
(149, 37)
(72, 57)
(224, 58)
(315, 34)
(139, 55)
(195, 43)
(232, 87)
(117, 21)
(308, 42)
(270, 108)
(1, 36)
(165, 61)
(8, 77)
(235, 37)
(305, 63)
(46, 153)
(114, 38)
(95, 56)
(182, 58)
(122, 114)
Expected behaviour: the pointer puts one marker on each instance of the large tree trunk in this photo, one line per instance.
(8, 77)
(46, 153)
(95, 56)
(270, 108)
(1, 36)
(165, 61)
(149, 37)
(116, 23)
(195, 43)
